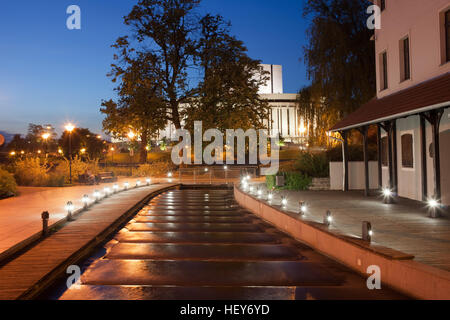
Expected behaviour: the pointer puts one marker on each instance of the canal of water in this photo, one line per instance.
(198, 244)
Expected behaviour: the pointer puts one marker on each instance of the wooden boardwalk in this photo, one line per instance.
(33, 271)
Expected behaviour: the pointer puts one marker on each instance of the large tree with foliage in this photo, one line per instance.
(228, 93)
(340, 60)
(140, 107)
(167, 29)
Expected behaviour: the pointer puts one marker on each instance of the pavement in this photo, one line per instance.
(404, 226)
(20, 217)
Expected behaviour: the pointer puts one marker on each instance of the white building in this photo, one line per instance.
(413, 95)
(283, 118)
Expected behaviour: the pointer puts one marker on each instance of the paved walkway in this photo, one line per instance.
(39, 266)
(403, 226)
(20, 217)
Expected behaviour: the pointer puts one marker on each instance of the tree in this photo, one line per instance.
(228, 94)
(340, 55)
(18, 144)
(140, 107)
(167, 29)
(83, 142)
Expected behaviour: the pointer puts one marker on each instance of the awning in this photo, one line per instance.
(428, 95)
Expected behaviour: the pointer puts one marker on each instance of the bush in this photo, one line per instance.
(31, 172)
(8, 185)
(293, 181)
(313, 165)
(79, 167)
(155, 169)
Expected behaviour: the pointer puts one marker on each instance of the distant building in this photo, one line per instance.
(283, 119)
(411, 109)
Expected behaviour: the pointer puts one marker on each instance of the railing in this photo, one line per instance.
(214, 175)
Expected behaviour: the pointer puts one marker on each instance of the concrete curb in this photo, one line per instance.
(398, 270)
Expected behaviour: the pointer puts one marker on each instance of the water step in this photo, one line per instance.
(182, 227)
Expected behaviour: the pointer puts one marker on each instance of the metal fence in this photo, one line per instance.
(214, 175)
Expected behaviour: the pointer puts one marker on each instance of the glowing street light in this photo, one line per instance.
(387, 194)
(148, 181)
(433, 206)
(126, 185)
(328, 219)
(303, 207)
(12, 153)
(116, 187)
(96, 195)
(270, 197)
(284, 202)
(69, 128)
(138, 183)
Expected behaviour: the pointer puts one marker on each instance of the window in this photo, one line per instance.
(382, 5)
(407, 151)
(383, 71)
(447, 35)
(405, 62)
(384, 151)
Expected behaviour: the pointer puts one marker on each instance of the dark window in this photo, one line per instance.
(406, 60)
(382, 4)
(447, 34)
(407, 151)
(384, 151)
(384, 71)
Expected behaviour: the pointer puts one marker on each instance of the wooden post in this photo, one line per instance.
(366, 160)
(424, 151)
(434, 117)
(380, 160)
(395, 156)
(345, 159)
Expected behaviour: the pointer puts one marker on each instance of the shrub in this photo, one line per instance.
(293, 181)
(155, 169)
(79, 167)
(31, 172)
(313, 165)
(8, 186)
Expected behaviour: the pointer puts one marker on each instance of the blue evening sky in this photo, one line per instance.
(49, 74)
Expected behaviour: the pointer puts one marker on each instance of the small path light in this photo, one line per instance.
(328, 219)
(69, 208)
(85, 201)
(270, 197)
(45, 216)
(107, 191)
(433, 207)
(138, 183)
(303, 207)
(367, 231)
(116, 188)
(206, 169)
(259, 192)
(170, 175)
(126, 185)
(225, 167)
(284, 202)
(252, 189)
(96, 196)
(148, 181)
(387, 194)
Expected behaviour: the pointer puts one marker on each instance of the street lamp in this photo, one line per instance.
(131, 135)
(69, 128)
(45, 136)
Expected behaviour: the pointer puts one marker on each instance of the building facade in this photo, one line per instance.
(411, 109)
(283, 118)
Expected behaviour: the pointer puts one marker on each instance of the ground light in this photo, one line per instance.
(259, 192)
(85, 201)
(116, 187)
(138, 183)
(107, 191)
(284, 202)
(96, 195)
(367, 231)
(148, 181)
(251, 189)
(303, 207)
(270, 197)
(328, 219)
(387, 194)
(126, 185)
(433, 207)
(69, 208)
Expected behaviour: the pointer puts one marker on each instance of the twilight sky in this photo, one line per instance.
(49, 74)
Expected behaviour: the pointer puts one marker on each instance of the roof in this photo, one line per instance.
(425, 96)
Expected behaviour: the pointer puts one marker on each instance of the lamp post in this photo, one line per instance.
(69, 128)
(131, 135)
(45, 136)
